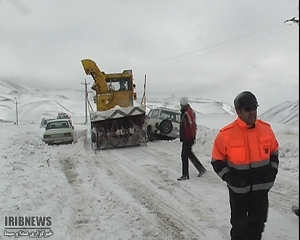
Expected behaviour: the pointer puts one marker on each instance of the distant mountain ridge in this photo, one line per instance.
(200, 105)
(33, 104)
(285, 113)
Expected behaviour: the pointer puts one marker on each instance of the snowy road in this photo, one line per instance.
(130, 193)
(148, 177)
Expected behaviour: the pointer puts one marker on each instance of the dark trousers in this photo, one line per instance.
(186, 154)
(249, 212)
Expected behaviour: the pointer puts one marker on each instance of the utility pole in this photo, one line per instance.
(144, 94)
(86, 99)
(17, 117)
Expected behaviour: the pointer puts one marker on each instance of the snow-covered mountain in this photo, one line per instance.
(200, 105)
(24, 99)
(286, 113)
(34, 104)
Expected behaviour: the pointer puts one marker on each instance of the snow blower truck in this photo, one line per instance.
(116, 122)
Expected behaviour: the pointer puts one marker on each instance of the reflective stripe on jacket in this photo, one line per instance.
(246, 157)
(188, 126)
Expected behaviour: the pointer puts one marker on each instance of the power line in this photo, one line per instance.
(212, 51)
(239, 38)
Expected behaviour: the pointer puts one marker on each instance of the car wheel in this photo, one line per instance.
(166, 127)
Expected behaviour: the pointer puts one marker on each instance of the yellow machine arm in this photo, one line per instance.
(91, 68)
(100, 85)
(107, 96)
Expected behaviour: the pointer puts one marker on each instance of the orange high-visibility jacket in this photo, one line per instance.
(246, 157)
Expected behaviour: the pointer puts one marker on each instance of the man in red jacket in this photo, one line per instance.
(188, 128)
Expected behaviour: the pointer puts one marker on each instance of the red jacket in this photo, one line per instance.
(188, 126)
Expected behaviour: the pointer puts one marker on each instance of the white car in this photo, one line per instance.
(163, 123)
(59, 131)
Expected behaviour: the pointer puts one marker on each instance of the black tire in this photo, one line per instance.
(166, 127)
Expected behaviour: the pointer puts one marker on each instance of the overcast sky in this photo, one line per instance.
(200, 48)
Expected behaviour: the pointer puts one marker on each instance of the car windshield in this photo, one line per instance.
(170, 115)
(56, 125)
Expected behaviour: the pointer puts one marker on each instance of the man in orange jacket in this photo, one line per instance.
(245, 155)
(188, 128)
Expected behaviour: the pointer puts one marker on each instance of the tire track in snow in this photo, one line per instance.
(281, 202)
(171, 221)
(162, 177)
(79, 203)
(171, 217)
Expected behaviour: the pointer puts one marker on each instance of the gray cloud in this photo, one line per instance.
(20, 6)
(204, 49)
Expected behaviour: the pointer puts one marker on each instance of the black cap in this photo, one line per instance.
(245, 99)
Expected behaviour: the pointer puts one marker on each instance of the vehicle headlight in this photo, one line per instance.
(67, 134)
(46, 136)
